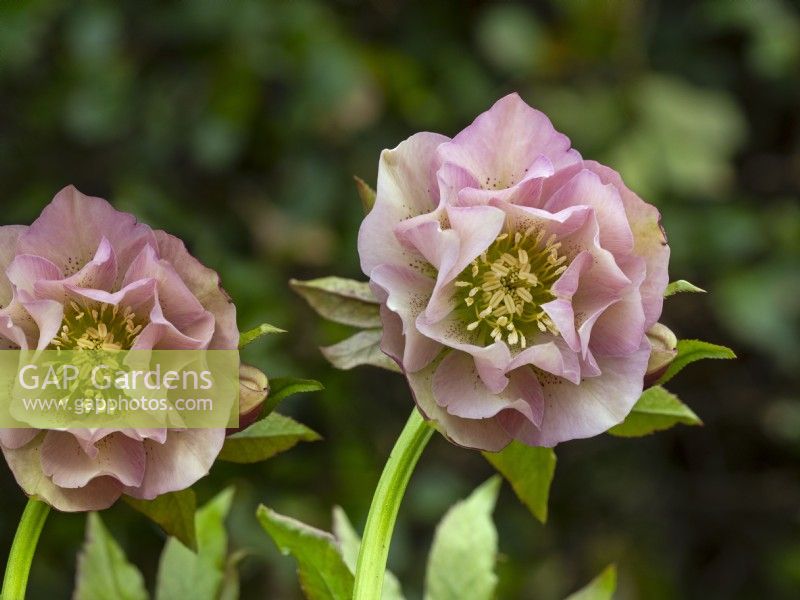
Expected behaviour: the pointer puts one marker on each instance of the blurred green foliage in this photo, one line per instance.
(239, 125)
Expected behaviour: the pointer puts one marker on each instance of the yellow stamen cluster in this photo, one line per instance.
(97, 327)
(502, 291)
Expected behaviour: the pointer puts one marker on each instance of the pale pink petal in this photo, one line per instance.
(491, 361)
(185, 457)
(560, 310)
(440, 247)
(650, 242)
(407, 187)
(504, 141)
(25, 464)
(477, 228)
(452, 179)
(205, 285)
(620, 328)
(48, 315)
(526, 192)
(458, 388)
(17, 438)
(100, 273)
(9, 234)
(553, 357)
(138, 295)
(406, 293)
(177, 315)
(68, 466)
(392, 342)
(25, 270)
(17, 327)
(597, 404)
(71, 227)
(482, 434)
(586, 189)
(161, 334)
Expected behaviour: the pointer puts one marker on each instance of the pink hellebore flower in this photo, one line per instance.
(85, 275)
(517, 280)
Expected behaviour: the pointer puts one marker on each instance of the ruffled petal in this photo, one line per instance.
(204, 283)
(491, 361)
(185, 457)
(406, 293)
(9, 234)
(504, 141)
(48, 315)
(553, 357)
(481, 434)
(25, 464)
(406, 188)
(458, 388)
(26, 270)
(17, 438)
(586, 189)
(177, 316)
(650, 242)
(592, 407)
(68, 466)
(70, 229)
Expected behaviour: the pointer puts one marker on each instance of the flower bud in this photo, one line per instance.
(662, 352)
(253, 391)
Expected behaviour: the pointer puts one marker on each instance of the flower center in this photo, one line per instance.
(97, 327)
(502, 291)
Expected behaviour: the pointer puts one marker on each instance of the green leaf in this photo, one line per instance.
(173, 512)
(250, 336)
(363, 348)
(601, 587)
(281, 388)
(103, 569)
(462, 560)
(690, 351)
(341, 300)
(656, 410)
(265, 438)
(321, 568)
(682, 286)
(349, 545)
(530, 472)
(185, 574)
(365, 193)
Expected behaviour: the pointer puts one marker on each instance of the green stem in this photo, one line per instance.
(374, 551)
(19, 559)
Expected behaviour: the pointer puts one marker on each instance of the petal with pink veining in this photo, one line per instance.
(597, 404)
(483, 434)
(458, 388)
(407, 187)
(71, 227)
(586, 189)
(406, 293)
(179, 462)
(68, 466)
(204, 283)
(25, 464)
(504, 141)
(650, 242)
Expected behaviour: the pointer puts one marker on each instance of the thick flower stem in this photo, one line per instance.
(374, 551)
(18, 566)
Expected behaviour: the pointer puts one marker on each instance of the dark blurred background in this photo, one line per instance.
(238, 125)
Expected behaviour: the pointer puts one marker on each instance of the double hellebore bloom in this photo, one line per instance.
(85, 276)
(517, 280)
